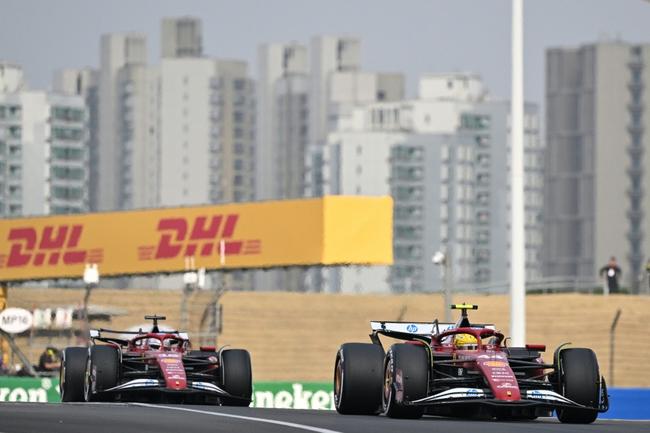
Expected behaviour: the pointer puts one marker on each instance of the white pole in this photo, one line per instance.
(517, 236)
(222, 252)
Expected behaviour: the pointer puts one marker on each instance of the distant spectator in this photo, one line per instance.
(612, 272)
(50, 360)
(4, 355)
(647, 272)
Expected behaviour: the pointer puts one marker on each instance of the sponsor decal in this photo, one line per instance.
(412, 328)
(495, 364)
(51, 246)
(29, 389)
(15, 320)
(169, 360)
(472, 392)
(293, 395)
(199, 236)
(535, 394)
(506, 385)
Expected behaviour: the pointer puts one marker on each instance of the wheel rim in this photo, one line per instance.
(387, 395)
(87, 378)
(338, 383)
(62, 378)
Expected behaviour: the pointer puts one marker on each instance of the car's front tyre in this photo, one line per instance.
(72, 374)
(579, 381)
(236, 377)
(102, 372)
(406, 378)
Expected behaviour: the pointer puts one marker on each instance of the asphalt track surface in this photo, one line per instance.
(140, 418)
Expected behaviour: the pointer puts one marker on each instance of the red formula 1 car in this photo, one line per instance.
(465, 370)
(154, 366)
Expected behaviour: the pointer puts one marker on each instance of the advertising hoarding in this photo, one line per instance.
(329, 230)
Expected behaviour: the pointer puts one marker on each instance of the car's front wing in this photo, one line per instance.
(535, 397)
(159, 385)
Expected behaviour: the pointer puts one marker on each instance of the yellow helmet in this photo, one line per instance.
(465, 342)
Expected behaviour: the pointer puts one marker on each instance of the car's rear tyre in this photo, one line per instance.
(72, 373)
(102, 372)
(406, 378)
(236, 377)
(579, 381)
(358, 375)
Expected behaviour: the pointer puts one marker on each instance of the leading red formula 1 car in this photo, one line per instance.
(465, 369)
(154, 366)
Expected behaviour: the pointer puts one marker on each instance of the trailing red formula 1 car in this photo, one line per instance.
(154, 366)
(465, 370)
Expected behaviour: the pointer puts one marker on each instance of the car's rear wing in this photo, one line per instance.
(415, 330)
(96, 334)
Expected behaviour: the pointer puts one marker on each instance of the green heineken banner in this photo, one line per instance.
(293, 395)
(285, 395)
(33, 389)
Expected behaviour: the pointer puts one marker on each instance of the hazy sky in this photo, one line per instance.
(410, 36)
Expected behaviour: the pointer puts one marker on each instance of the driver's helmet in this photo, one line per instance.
(465, 342)
(153, 343)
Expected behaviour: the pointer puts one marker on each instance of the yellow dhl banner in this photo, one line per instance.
(331, 230)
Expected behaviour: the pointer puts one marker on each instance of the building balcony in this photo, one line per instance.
(635, 129)
(635, 86)
(635, 236)
(635, 216)
(635, 170)
(635, 107)
(636, 152)
(636, 193)
(635, 63)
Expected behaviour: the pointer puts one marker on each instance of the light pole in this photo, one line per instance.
(441, 259)
(517, 236)
(190, 279)
(91, 279)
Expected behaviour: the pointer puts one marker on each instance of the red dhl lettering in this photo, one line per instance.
(201, 236)
(53, 246)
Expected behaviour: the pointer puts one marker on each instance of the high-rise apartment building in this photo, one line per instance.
(43, 150)
(338, 86)
(118, 51)
(301, 98)
(282, 120)
(207, 131)
(444, 159)
(598, 156)
(85, 83)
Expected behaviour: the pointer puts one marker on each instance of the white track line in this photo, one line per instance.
(246, 418)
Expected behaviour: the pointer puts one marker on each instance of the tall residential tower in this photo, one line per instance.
(597, 180)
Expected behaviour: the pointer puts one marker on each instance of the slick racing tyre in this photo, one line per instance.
(236, 377)
(579, 380)
(102, 372)
(406, 378)
(72, 373)
(358, 374)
